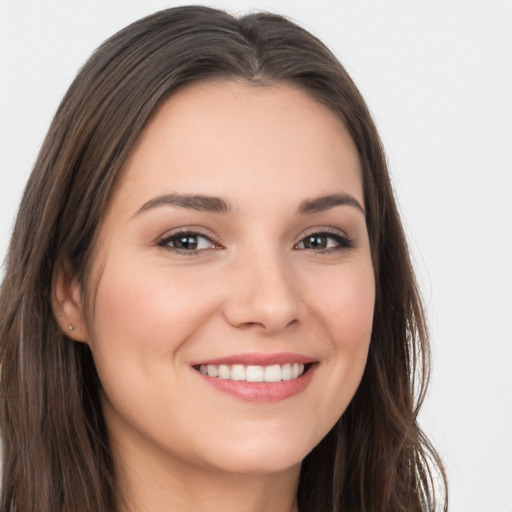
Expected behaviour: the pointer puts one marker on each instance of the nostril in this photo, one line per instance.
(250, 325)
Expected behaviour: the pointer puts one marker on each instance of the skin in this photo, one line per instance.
(254, 285)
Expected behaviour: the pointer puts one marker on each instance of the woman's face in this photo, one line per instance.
(235, 243)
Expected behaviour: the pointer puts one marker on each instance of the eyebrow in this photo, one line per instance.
(323, 203)
(214, 204)
(190, 201)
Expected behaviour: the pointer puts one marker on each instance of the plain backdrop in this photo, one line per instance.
(437, 76)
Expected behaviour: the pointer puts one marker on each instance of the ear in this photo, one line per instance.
(67, 302)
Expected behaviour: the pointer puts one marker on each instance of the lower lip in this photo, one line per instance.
(262, 391)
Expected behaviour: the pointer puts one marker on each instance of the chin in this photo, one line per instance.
(267, 455)
(249, 464)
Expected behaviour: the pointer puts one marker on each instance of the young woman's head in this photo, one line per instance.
(208, 276)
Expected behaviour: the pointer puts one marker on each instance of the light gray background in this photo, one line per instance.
(438, 78)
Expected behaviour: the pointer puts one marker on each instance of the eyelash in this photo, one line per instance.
(342, 242)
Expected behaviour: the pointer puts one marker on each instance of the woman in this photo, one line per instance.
(208, 300)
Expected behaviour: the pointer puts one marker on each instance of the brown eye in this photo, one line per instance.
(316, 242)
(324, 242)
(187, 242)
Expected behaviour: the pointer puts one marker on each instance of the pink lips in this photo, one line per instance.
(260, 391)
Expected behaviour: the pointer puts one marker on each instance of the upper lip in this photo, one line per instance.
(258, 359)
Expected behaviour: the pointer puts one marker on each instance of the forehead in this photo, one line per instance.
(225, 137)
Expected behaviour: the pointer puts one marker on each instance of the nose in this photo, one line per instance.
(263, 295)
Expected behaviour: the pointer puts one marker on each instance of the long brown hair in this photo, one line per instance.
(56, 455)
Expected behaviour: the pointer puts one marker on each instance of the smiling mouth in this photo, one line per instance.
(254, 373)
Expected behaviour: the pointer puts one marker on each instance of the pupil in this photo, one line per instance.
(316, 242)
(187, 242)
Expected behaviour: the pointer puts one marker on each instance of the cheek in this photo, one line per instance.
(148, 309)
(141, 322)
(344, 309)
(345, 306)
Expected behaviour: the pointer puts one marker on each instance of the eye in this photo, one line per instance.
(187, 242)
(325, 242)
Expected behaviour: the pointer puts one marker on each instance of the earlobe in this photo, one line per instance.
(67, 301)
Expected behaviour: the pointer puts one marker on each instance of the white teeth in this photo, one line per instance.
(224, 372)
(238, 372)
(212, 370)
(253, 373)
(272, 373)
(286, 372)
